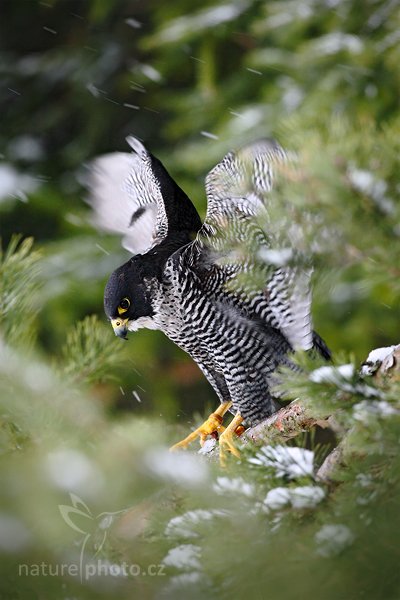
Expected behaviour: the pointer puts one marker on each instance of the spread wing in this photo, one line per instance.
(239, 183)
(133, 195)
(237, 194)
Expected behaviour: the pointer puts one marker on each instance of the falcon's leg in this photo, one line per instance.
(226, 440)
(211, 425)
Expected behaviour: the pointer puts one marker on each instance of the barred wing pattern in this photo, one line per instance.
(240, 181)
(215, 289)
(237, 191)
(126, 198)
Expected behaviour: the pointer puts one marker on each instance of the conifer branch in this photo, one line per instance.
(89, 354)
(296, 418)
(19, 268)
(288, 422)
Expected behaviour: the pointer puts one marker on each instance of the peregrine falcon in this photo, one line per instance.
(188, 278)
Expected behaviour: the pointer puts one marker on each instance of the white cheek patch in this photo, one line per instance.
(142, 322)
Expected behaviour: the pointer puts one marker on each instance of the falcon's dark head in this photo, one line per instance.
(127, 298)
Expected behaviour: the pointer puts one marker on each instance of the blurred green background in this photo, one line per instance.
(82, 412)
(193, 80)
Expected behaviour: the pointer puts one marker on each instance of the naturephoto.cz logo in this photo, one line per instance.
(92, 561)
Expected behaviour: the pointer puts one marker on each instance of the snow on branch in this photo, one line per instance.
(382, 364)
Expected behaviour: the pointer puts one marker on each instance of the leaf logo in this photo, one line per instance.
(80, 518)
(78, 508)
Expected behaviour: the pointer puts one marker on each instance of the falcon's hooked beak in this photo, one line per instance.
(120, 327)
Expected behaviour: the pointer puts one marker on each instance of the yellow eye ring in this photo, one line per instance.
(124, 306)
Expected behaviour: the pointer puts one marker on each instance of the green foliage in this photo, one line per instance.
(194, 80)
(320, 78)
(88, 354)
(18, 303)
(90, 503)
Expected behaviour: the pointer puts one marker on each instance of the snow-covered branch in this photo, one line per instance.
(295, 418)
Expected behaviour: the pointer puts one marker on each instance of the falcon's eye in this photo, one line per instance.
(123, 305)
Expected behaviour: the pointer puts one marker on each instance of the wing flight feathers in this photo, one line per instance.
(241, 180)
(237, 192)
(126, 198)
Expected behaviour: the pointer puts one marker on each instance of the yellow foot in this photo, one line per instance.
(227, 439)
(212, 425)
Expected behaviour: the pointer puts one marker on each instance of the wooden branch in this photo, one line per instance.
(330, 464)
(295, 418)
(288, 422)
(285, 424)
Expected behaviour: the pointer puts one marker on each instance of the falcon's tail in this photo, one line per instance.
(320, 346)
